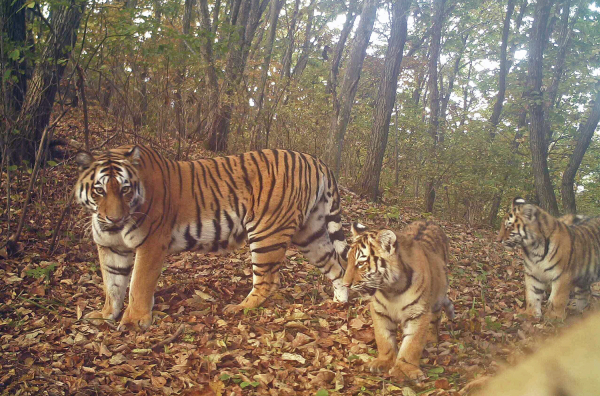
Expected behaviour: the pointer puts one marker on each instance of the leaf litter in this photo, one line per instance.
(298, 343)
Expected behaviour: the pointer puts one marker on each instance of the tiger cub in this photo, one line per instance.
(145, 206)
(561, 254)
(405, 273)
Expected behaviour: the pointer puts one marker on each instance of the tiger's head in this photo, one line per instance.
(371, 258)
(521, 226)
(109, 186)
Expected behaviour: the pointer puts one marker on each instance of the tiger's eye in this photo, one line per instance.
(99, 190)
(125, 189)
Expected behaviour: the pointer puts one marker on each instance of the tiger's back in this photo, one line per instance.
(270, 198)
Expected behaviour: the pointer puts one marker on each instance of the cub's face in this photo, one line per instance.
(512, 231)
(109, 186)
(369, 258)
(520, 226)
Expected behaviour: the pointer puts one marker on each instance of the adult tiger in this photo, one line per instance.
(560, 254)
(146, 204)
(405, 273)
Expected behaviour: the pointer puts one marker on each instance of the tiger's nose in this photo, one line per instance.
(114, 219)
(346, 284)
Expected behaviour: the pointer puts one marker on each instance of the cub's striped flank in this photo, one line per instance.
(562, 255)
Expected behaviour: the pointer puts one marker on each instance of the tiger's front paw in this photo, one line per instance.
(340, 292)
(232, 309)
(533, 312)
(135, 320)
(556, 314)
(380, 365)
(405, 370)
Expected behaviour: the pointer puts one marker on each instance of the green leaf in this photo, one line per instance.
(224, 377)
(436, 370)
(31, 5)
(244, 384)
(353, 357)
(6, 75)
(52, 163)
(14, 55)
(322, 392)
(12, 168)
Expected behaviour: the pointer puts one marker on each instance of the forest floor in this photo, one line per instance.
(298, 343)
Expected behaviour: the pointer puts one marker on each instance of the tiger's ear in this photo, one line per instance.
(357, 229)
(387, 240)
(518, 202)
(134, 155)
(84, 160)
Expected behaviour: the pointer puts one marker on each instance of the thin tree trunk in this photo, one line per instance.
(586, 132)
(499, 104)
(286, 62)
(207, 54)
(14, 34)
(537, 128)
(259, 138)
(342, 102)
(434, 96)
(446, 98)
(495, 118)
(386, 97)
(334, 71)
(306, 46)
(41, 92)
(246, 23)
(180, 76)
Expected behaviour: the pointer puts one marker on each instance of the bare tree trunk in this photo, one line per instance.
(446, 97)
(306, 46)
(342, 102)
(434, 96)
(14, 36)
(495, 118)
(386, 96)
(246, 23)
(499, 104)
(180, 76)
(286, 62)
(537, 127)
(39, 98)
(276, 5)
(207, 54)
(586, 131)
(332, 83)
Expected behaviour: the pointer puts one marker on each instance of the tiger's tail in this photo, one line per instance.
(448, 308)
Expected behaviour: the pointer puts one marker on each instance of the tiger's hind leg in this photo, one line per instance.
(116, 269)
(267, 255)
(434, 327)
(414, 338)
(321, 240)
(559, 298)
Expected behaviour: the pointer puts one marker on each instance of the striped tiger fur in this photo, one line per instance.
(559, 254)
(146, 204)
(405, 273)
